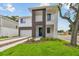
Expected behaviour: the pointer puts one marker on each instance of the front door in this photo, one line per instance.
(40, 31)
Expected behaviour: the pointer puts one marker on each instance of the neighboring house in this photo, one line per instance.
(8, 27)
(42, 23)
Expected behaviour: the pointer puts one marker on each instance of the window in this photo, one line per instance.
(48, 30)
(16, 26)
(48, 17)
(22, 20)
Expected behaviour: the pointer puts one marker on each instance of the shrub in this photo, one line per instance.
(49, 39)
(46, 39)
(4, 37)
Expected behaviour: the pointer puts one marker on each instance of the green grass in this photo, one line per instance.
(3, 37)
(44, 48)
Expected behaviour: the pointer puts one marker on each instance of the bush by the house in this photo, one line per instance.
(49, 39)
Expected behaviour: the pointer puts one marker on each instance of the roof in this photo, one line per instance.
(26, 17)
(42, 7)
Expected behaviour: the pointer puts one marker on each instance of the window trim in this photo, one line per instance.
(48, 30)
(22, 20)
(49, 17)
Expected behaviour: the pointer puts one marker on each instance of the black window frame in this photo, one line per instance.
(48, 17)
(48, 29)
(22, 20)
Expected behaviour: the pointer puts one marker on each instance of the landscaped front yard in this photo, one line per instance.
(43, 48)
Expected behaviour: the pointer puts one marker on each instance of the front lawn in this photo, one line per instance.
(44, 48)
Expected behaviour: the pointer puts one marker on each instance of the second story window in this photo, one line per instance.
(49, 17)
(22, 20)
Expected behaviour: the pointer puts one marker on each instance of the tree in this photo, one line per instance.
(14, 18)
(67, 16)
(71, 28)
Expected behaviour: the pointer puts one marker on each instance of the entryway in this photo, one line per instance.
(40, 31)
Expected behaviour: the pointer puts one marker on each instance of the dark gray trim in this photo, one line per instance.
(38, 23)
(44, 22)
(33, 24)
(25, 28)
(18, 31)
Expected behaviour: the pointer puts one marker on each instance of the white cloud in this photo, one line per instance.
(44, 4)
(10, 7)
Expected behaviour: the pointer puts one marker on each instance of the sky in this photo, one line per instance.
(21, 9)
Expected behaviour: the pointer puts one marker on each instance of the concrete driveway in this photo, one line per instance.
(5, 44)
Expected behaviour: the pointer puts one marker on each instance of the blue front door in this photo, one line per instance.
(40, 31)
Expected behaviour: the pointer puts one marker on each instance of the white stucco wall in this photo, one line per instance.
(26, 33)
(51, 21)
(5, 31)
(55, 25)
(28, 22)
(54, 21)
(51, 31)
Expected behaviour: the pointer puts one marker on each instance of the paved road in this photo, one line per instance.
(67, 38)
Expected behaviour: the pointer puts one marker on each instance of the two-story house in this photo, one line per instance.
(42, 23)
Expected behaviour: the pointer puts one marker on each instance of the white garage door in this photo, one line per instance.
(26, 33)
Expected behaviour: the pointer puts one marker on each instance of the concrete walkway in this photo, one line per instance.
(12, 42)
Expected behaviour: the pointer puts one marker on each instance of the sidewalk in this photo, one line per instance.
(68, 38)
(12, 42)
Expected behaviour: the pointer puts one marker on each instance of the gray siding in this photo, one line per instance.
(8, 27)
(6, 22)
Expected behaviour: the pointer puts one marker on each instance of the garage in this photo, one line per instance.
(26, 33)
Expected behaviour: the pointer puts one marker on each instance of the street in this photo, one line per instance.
(67, 37)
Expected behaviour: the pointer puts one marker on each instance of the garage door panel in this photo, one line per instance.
(26, 33)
